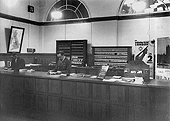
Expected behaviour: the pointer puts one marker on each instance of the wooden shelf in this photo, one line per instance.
(75, 50)
(115, 56)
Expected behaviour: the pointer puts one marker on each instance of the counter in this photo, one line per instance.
(85, 97)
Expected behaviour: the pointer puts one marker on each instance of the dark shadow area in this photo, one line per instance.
(7, 35)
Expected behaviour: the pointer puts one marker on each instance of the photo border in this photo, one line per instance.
(21, 30)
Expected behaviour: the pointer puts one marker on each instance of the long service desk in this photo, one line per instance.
(90, 99)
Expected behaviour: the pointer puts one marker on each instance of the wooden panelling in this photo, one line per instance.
(93, 71)
(41, 58)
(7, 98)
(83, 109)
(161, 116)
(100, 111)
(29, 100)
(54, 103)
(68, 106)
(83, 90)
(0, 80)
(42, 85)
(162, 99)
(138, 113)
(7, 82)
(17, 99)
(101, 91)
(68, 88)
(118, 94)
(138, 96)
(28, 59)
(29, 84)
(55, 86)
(118, 113)
(88, 100)
(80, 71)
(18, 83)
(139, 104)
(86, 70)
(41, 102)
(160, 106)
(1, 99)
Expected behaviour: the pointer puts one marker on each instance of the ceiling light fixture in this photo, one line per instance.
(56, 14)
(139, 6)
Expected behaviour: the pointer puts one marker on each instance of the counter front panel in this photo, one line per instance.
(84, 97)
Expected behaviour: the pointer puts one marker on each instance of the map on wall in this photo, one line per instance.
(16, 38)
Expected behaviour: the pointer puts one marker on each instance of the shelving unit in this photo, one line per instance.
(114, 56)
(75, 50)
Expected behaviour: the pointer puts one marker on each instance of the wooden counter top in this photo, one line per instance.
(44, 75)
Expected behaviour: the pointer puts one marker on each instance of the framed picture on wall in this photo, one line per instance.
(15, 39)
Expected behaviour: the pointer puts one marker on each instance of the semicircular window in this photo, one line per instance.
(69, 9)
(143, 6)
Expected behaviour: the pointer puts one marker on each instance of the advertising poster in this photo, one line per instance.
(145, 51)
(163, 59)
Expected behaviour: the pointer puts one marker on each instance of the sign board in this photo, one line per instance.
(145, 51)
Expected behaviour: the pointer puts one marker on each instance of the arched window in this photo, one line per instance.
(143, 6)
(69, 9)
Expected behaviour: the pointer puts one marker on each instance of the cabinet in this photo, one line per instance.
(75, 50)
(114, 56)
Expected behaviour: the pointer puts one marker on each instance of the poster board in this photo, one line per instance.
(163, 59)
(145, 51)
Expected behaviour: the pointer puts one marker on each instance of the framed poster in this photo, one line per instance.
(15, 39)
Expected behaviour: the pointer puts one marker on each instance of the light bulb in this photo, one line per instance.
(56, 14)
(139, 6)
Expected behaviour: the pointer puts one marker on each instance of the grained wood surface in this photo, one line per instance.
(84, 97)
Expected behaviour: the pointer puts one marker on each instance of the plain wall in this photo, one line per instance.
(103, 33)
